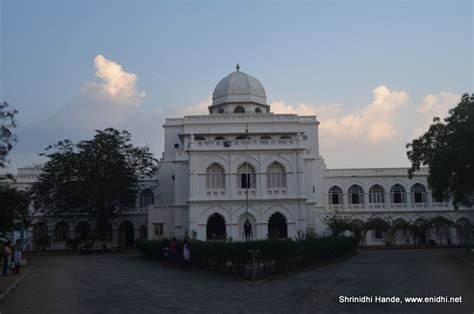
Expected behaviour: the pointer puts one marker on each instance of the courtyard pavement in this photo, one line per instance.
(130, 284)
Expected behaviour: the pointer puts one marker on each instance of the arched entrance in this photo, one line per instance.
(215, 228)
(277, 226)
(126, 234)
(253, 222)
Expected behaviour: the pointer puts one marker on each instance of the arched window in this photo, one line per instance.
(239, 109)
(418, 193)
(246, 177)
(199, 138)
(276, 176)
(285, 137)
(83, 231)
(61, 231)
(40, 231)
(215, 177)
(219, 138)
(221, 111)
(397, 194)
(376, 194)
(147, 198)
(258, 110)
(335, 195)
(265, 137)
(355, 195)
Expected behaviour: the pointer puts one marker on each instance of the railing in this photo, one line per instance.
(240, 144)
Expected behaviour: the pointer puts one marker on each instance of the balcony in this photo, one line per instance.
(257, 144)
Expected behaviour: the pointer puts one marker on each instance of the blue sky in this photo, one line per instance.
(317, 53)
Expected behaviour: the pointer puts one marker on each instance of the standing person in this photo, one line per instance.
(165, 256)
(173, 247)
(186, 255)
(247, 230)
(6, 252)
(16, 258)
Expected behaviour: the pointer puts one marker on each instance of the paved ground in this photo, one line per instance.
(129, 284)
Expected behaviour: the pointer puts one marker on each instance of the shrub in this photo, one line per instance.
(275, 255)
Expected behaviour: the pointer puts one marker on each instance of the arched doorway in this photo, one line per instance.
(253, 222)
(215, 228)
(126, 234)
(277, 227)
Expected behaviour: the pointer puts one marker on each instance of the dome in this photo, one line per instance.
(239, 87)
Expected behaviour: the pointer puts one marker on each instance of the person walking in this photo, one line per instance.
(186, 255)
(6, 252)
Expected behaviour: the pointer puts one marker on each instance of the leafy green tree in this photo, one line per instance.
(438, 224)
(13, 208)
(378, 224)
(446, 148)
(337, 224)
(7, 138)
(96, 178)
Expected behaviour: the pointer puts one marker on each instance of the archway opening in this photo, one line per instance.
(126, 234)
(215, 228)
(277, 226)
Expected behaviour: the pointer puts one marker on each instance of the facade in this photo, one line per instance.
(242, 162)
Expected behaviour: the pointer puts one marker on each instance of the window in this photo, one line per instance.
(147, 197)
(158, 230)
(176, 145)
(199, 138)
(215, 177)
(376, 194)
(239, 109)
(61, 232)
(221, 111)
(285, 137)
(220, 138)
(355, 195)
(246, 177)
(106, 233)
(335, 195)
(276, 176)
(265, 137)
(397, 194)
(418, 193)
(258, 110)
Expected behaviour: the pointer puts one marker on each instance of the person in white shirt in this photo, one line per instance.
(186, 255)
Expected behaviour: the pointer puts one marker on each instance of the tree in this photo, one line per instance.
(439, 223)
(13, 208)
(378, 224)
(97, 178)
(339, 224)
(446, 148)
(7, 138)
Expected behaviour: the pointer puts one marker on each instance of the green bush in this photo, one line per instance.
(275, 256)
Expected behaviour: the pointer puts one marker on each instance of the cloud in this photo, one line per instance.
(374, 122)
(434, 106)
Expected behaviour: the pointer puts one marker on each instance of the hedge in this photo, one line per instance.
(275, 256)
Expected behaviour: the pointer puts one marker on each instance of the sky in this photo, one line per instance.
(375, 73)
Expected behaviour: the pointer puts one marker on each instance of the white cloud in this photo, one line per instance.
(374, 122)
(434, 106)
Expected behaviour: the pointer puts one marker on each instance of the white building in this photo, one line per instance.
(210, 164)
(214, 175)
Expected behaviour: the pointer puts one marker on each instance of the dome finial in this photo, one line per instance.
(237, 66)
